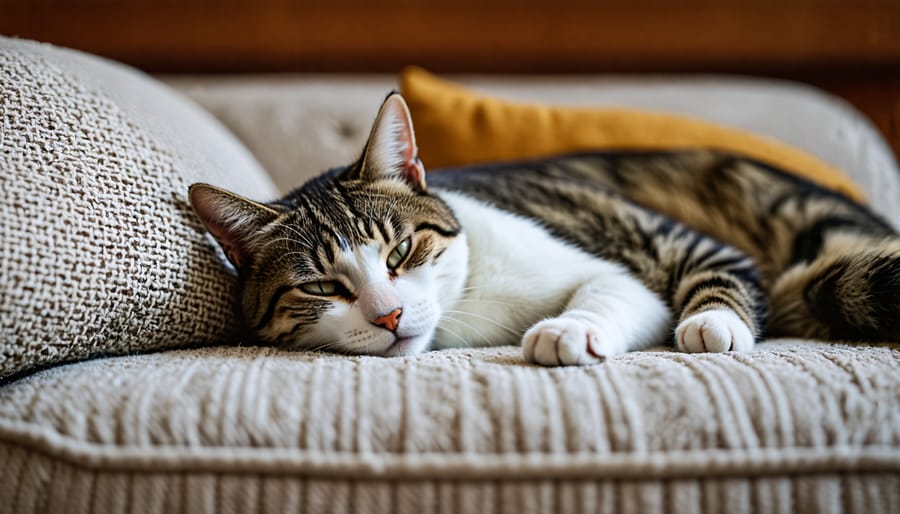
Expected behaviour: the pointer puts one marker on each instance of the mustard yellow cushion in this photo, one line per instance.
(455, 126)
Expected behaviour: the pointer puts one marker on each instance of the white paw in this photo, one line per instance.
(713, 331)
(564, 342)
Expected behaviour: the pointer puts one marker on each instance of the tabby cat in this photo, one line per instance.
(579, 257)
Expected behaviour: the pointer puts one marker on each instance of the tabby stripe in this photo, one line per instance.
(329, 251)
(666, 226)
(646, 236)
(317, 263)
(342, 191)
(365, 228)
(304, 207)
(748, 275)
(285, 338)
(778, 202)
(321, 220)
(546, 194)
(383, 229)
(440, 230)
(270, 311)
(615, 169)
(687, 258)
(708, 284)
(700, 260)
(825, 304)
(727, 262)
(808, 243)
(715, 299)
(333, 234)
(675, 274)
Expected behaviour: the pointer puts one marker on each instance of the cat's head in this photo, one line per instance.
(362, 259)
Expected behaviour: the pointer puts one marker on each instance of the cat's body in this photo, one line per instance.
(574, 255)
(518, 273)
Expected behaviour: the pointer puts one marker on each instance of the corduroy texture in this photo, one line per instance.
(455, 126)
(101, 253)
(791, 427)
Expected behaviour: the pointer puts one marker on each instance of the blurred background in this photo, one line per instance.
(848, 47)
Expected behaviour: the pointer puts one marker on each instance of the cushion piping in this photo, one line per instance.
(468, 466)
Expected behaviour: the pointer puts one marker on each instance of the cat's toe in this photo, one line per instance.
(714, 331)
(561, 342)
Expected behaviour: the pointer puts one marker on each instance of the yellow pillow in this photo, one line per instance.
(455, 126)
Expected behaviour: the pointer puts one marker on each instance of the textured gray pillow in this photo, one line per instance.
(99, 250)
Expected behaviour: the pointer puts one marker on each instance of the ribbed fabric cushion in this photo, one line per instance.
(99, 250)
(793, 426)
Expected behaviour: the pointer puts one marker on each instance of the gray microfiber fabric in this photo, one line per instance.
(791, 427)
(101, 253)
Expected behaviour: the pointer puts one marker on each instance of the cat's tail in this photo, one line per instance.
(850, 292)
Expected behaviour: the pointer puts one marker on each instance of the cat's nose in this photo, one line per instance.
(389, 320)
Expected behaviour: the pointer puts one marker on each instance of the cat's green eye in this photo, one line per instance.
(399, 253)
(322, 288)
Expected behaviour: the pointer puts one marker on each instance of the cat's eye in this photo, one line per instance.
(398, 254)
(322, 288)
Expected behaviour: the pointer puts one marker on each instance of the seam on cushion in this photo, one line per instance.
(523, 466)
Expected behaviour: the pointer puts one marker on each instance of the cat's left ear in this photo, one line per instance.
(391, 150)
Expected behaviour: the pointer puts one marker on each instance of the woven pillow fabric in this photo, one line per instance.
(100, 253)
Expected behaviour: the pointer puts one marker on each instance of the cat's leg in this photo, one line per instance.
(714, 319)
(851, 291)
(719, 301)
(606, 316)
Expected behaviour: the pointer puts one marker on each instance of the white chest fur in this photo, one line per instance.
(517, 274)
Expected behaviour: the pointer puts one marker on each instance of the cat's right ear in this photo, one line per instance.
(233, 220)
(391, 151)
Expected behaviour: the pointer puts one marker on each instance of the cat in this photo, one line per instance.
(578, 257)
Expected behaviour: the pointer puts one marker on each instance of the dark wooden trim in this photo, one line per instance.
(849, 47)
(467, 36)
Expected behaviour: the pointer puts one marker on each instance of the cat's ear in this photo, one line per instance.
(233, 220)
(391, 150)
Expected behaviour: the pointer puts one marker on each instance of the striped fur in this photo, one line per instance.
(578, 256)
(692, 273)
(830, 267)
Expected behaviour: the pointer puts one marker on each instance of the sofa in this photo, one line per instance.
(125, 386)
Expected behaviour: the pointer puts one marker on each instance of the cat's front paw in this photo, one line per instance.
(564, 342)
(714, 331)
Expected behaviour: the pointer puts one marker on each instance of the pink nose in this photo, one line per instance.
(389, 320)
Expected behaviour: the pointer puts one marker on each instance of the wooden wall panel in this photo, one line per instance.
(465, 35)
(850, 47)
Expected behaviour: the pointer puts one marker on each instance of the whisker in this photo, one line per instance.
(296, 232)
(487, 300)
(288, 254)
(462, 339)
(485, 318)
(290, 240)
(326, 347)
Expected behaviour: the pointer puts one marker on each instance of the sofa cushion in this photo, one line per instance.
(247, 429)
(456, 126)
(101, 253)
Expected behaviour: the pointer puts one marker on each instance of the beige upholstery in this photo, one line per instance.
(260, 430)
(101, 253)
(793, 427)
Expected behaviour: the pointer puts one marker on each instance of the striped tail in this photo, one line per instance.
(848, 295)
